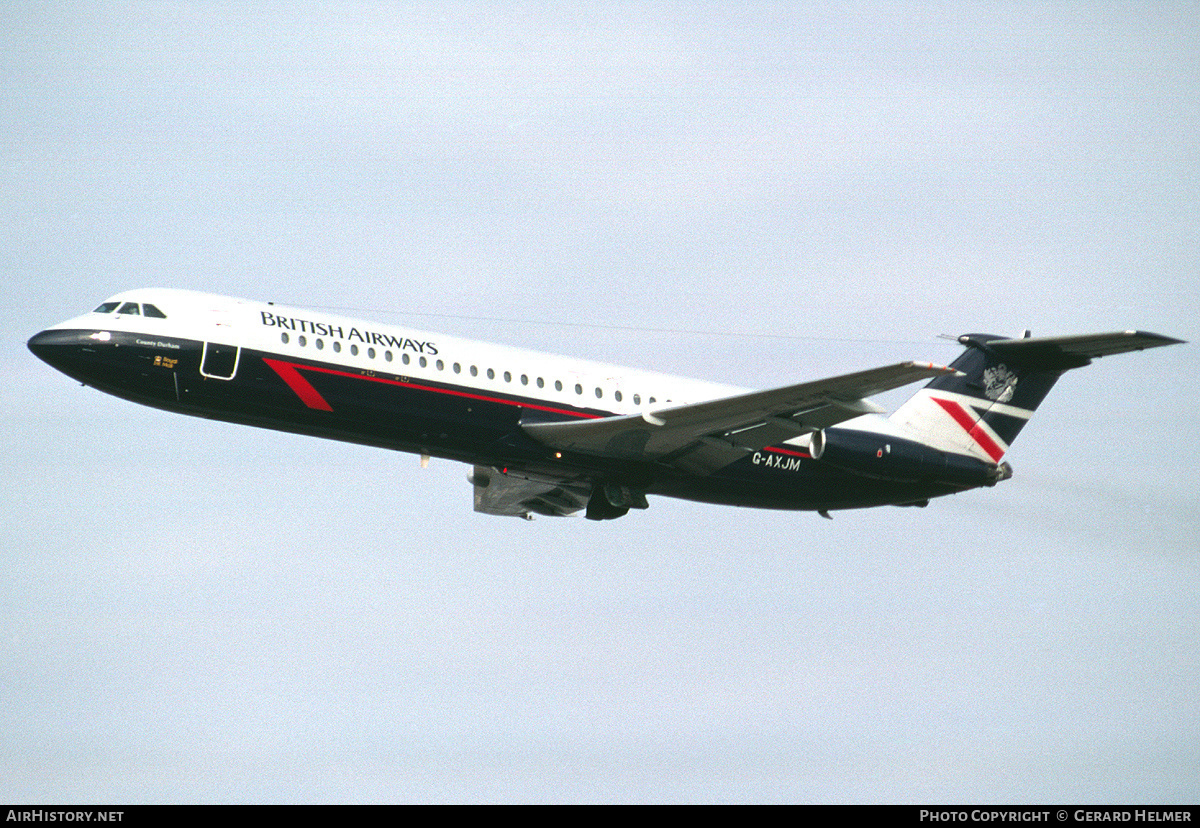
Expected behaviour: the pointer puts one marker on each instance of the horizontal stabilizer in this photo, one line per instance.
(1064, 352)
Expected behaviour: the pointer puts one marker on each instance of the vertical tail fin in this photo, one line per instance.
(1000, 383)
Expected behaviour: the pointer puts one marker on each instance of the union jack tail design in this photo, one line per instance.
(982, 409)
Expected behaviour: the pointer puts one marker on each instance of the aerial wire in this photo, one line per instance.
(627, 328)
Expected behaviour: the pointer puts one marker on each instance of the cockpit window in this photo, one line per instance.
(131, 309)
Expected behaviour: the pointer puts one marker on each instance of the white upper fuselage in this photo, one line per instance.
(361, 344)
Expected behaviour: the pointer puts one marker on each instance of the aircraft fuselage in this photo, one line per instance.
(319, 374)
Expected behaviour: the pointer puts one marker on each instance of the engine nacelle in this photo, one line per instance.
(889, 458)
(613, 500)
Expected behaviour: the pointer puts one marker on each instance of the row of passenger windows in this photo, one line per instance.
(456, 367)
(131, 309)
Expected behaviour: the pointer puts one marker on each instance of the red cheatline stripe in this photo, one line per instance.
(971, 426)
(788, 451)
(290, 372)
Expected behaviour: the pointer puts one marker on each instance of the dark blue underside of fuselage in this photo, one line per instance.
(444, 419)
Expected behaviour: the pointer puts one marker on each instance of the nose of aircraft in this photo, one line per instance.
(42, 345)
(59, 349)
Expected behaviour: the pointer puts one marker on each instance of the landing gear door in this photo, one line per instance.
(219, 361)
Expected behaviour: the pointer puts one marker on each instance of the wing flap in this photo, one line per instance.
(518, 493)
(707, 435)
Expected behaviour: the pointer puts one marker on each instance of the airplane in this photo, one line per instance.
(552, 435)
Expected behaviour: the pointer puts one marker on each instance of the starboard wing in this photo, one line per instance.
(707, 435)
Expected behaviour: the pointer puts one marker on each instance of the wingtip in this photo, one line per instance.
(1163, 340)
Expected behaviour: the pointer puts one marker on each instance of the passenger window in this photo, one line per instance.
(130, 309)
(107, 307)
(558, 385)
(153, 312)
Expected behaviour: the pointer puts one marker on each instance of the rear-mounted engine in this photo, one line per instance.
(888, 458)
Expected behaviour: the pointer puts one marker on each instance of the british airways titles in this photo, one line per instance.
(291, 323)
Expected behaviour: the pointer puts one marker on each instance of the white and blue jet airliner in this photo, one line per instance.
(553, 435)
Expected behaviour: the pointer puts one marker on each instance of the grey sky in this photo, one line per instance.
(198, 612)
